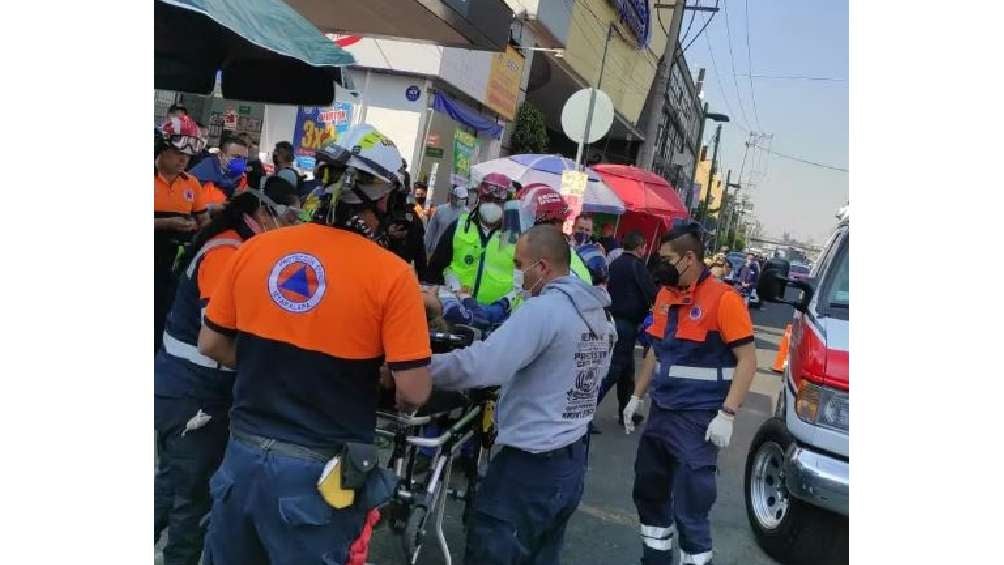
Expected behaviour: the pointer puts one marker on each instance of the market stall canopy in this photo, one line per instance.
(643, 191)
(263, 50)
(529, 168)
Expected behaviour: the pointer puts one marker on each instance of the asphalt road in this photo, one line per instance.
(604, 530)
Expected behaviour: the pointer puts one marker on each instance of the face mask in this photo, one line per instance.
(519, 278)
(666, 273)
(490, 212)
(236, 167)
(581, 238)
(420, 200)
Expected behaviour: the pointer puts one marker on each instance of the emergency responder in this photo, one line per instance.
(191, 391)
(472, 253)
(548, 358)
(225, 175)
(307, 314)
(178, 209)
(547, 207)
(701, 365)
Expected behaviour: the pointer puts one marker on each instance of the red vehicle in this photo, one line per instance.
(797, 470)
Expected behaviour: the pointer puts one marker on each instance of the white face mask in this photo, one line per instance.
(490, 212)
(517, 279)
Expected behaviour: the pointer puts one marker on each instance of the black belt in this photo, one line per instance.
(568, 450)
(290, 449)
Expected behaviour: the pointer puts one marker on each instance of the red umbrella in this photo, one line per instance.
(643, 191)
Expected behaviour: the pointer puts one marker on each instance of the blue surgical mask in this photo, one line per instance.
(236, 167)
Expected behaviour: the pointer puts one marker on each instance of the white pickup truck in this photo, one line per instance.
(797, 469)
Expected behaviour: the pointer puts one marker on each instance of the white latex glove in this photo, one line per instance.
(720, 430)
(630, 410)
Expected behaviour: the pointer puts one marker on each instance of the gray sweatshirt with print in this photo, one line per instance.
(549, 357)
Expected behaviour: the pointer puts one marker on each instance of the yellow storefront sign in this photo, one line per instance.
(502, 92)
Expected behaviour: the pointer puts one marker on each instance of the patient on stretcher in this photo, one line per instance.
(444, 309)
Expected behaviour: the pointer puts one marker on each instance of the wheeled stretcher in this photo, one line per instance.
(459, 418)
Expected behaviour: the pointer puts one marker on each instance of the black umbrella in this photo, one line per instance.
(263, 50)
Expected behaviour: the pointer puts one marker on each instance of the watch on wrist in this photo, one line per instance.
(728, 410)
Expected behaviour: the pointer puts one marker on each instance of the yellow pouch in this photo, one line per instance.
(330, 485)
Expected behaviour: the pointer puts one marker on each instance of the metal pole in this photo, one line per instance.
(703, 211)
(592, 100)
(721, 211)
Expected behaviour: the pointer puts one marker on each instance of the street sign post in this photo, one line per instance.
(586, 117)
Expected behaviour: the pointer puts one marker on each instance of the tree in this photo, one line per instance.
(529, 135)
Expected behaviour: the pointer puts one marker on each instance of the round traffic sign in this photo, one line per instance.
(576, 110)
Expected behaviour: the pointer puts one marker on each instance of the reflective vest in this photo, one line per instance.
(694, 364)
(579, 268)
(180, 370)
(485, 269)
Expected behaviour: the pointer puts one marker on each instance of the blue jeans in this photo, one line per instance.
(184, 465)
(621, 371)
(524, 504)
(267, 511)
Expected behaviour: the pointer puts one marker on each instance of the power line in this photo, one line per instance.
(749, 63)
(793, 77)
(805, 161)
(718, 79)
(704, 27)
(732, 59)
(693, 14)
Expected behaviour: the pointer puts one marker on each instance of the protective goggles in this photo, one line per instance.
(493, 190)
(186, 143)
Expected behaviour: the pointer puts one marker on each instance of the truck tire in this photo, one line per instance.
(788, 529)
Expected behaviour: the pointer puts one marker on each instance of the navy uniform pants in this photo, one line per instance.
(621, 371)
(267, 511)
(524, 504)
(184, 465)
(674, 484)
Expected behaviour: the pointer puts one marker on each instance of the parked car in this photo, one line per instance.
(800, 272)
(796, 480)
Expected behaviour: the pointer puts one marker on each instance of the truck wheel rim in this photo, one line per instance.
(768, 495)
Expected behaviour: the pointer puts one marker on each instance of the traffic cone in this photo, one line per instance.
(782, 351)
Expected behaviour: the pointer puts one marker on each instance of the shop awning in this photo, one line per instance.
(466, 115)
(263, 50)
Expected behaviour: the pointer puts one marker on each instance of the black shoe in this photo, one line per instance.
(637, 418)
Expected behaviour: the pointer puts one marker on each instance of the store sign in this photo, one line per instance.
(636, 16)
(432, 140)
(230, 120)
(502, 93)
(412, 93)
(573, 190)
(463, 152)
(244, 110)
(314, 127)
(434, 152)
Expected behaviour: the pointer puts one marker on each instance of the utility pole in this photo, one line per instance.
(724, 215)
(657, 93)
(703, 211)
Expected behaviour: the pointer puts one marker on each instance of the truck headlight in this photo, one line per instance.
(823, 406)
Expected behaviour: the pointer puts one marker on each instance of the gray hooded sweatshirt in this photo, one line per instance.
(549, 357)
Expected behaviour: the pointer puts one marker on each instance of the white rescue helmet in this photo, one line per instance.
(373, 156)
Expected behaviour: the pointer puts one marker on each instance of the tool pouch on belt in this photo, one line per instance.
(346, 473)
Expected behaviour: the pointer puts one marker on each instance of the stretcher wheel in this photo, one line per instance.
(414, 532)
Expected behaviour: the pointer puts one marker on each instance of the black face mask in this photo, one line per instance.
(420, 200)
(666, 273)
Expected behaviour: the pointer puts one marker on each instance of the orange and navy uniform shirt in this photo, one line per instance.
(185, 373)
(316, 310)
(183, 197)
(695, 329)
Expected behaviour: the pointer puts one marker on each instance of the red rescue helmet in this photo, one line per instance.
(182, 133)
(546, 204)
(496, 186)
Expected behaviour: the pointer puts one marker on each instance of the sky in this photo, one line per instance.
(808, 119)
